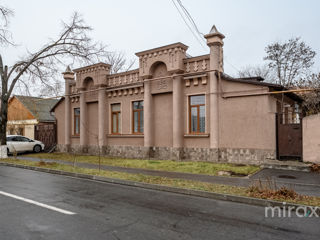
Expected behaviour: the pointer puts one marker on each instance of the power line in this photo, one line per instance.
(231, 65)
(183, 18)
(190, 18)
(195, 27)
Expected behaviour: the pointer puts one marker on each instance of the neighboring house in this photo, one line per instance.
(31, 117)
(177, 107)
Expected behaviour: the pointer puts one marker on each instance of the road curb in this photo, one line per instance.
(197, 193)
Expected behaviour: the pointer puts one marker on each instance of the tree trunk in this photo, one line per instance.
(3, 121)
(4, 103)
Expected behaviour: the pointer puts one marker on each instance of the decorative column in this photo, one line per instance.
(68, 76)
(83, 120)
(177, 107)
(215, 42)
(101, 115)
(148, 115)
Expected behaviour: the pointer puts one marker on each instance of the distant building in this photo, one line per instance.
(176, 107)
(31, 117)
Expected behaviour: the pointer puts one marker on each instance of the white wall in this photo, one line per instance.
(311, 138)
(29, 131)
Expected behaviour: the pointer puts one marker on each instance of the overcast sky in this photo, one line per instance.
(133, 26)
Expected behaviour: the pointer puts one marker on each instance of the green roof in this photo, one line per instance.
(39, 107)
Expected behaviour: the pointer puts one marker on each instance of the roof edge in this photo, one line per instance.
(54, 106)
(275, 87)
(17, 97)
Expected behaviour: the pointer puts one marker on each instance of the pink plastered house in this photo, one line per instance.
(172, 107)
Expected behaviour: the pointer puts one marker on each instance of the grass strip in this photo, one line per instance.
(206, 168)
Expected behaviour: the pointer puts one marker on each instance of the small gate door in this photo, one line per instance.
(289, 137)
(46, 133)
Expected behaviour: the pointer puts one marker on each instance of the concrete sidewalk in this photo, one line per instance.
(287, 165)
(302, 182)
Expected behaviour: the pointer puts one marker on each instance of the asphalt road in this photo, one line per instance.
(111, 211)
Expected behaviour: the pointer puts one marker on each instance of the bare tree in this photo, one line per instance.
(311, 104)
(257, 71)
(55, 89)
(118, 62)
(73, 42)
(5, 35)
(290, 60)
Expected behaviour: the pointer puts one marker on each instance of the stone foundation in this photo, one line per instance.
(128, 152)
(244, 155)
(201, 154)
(225, 155)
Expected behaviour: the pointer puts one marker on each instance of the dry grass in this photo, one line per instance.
(315, 168)
(162, 165)
(43, 163)
(282, 192)
(279, 195)
(269, 190)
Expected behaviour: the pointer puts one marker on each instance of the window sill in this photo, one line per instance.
(197, 135)
(125, 135)
(75, 136)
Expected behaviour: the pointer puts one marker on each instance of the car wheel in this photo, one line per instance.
(37, 148)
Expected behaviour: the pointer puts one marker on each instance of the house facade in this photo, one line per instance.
(171, 107)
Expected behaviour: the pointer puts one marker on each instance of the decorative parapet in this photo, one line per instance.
(197, 64)
(93, 68)
(194, 65)
(172, 55)
(97, 72)
(125, 78)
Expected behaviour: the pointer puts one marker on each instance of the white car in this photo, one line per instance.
(18, 143)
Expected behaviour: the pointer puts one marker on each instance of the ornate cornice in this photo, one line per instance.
(93, 68)
(163, 50)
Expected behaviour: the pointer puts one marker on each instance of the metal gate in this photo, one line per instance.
(289, 136)
(46, 133)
